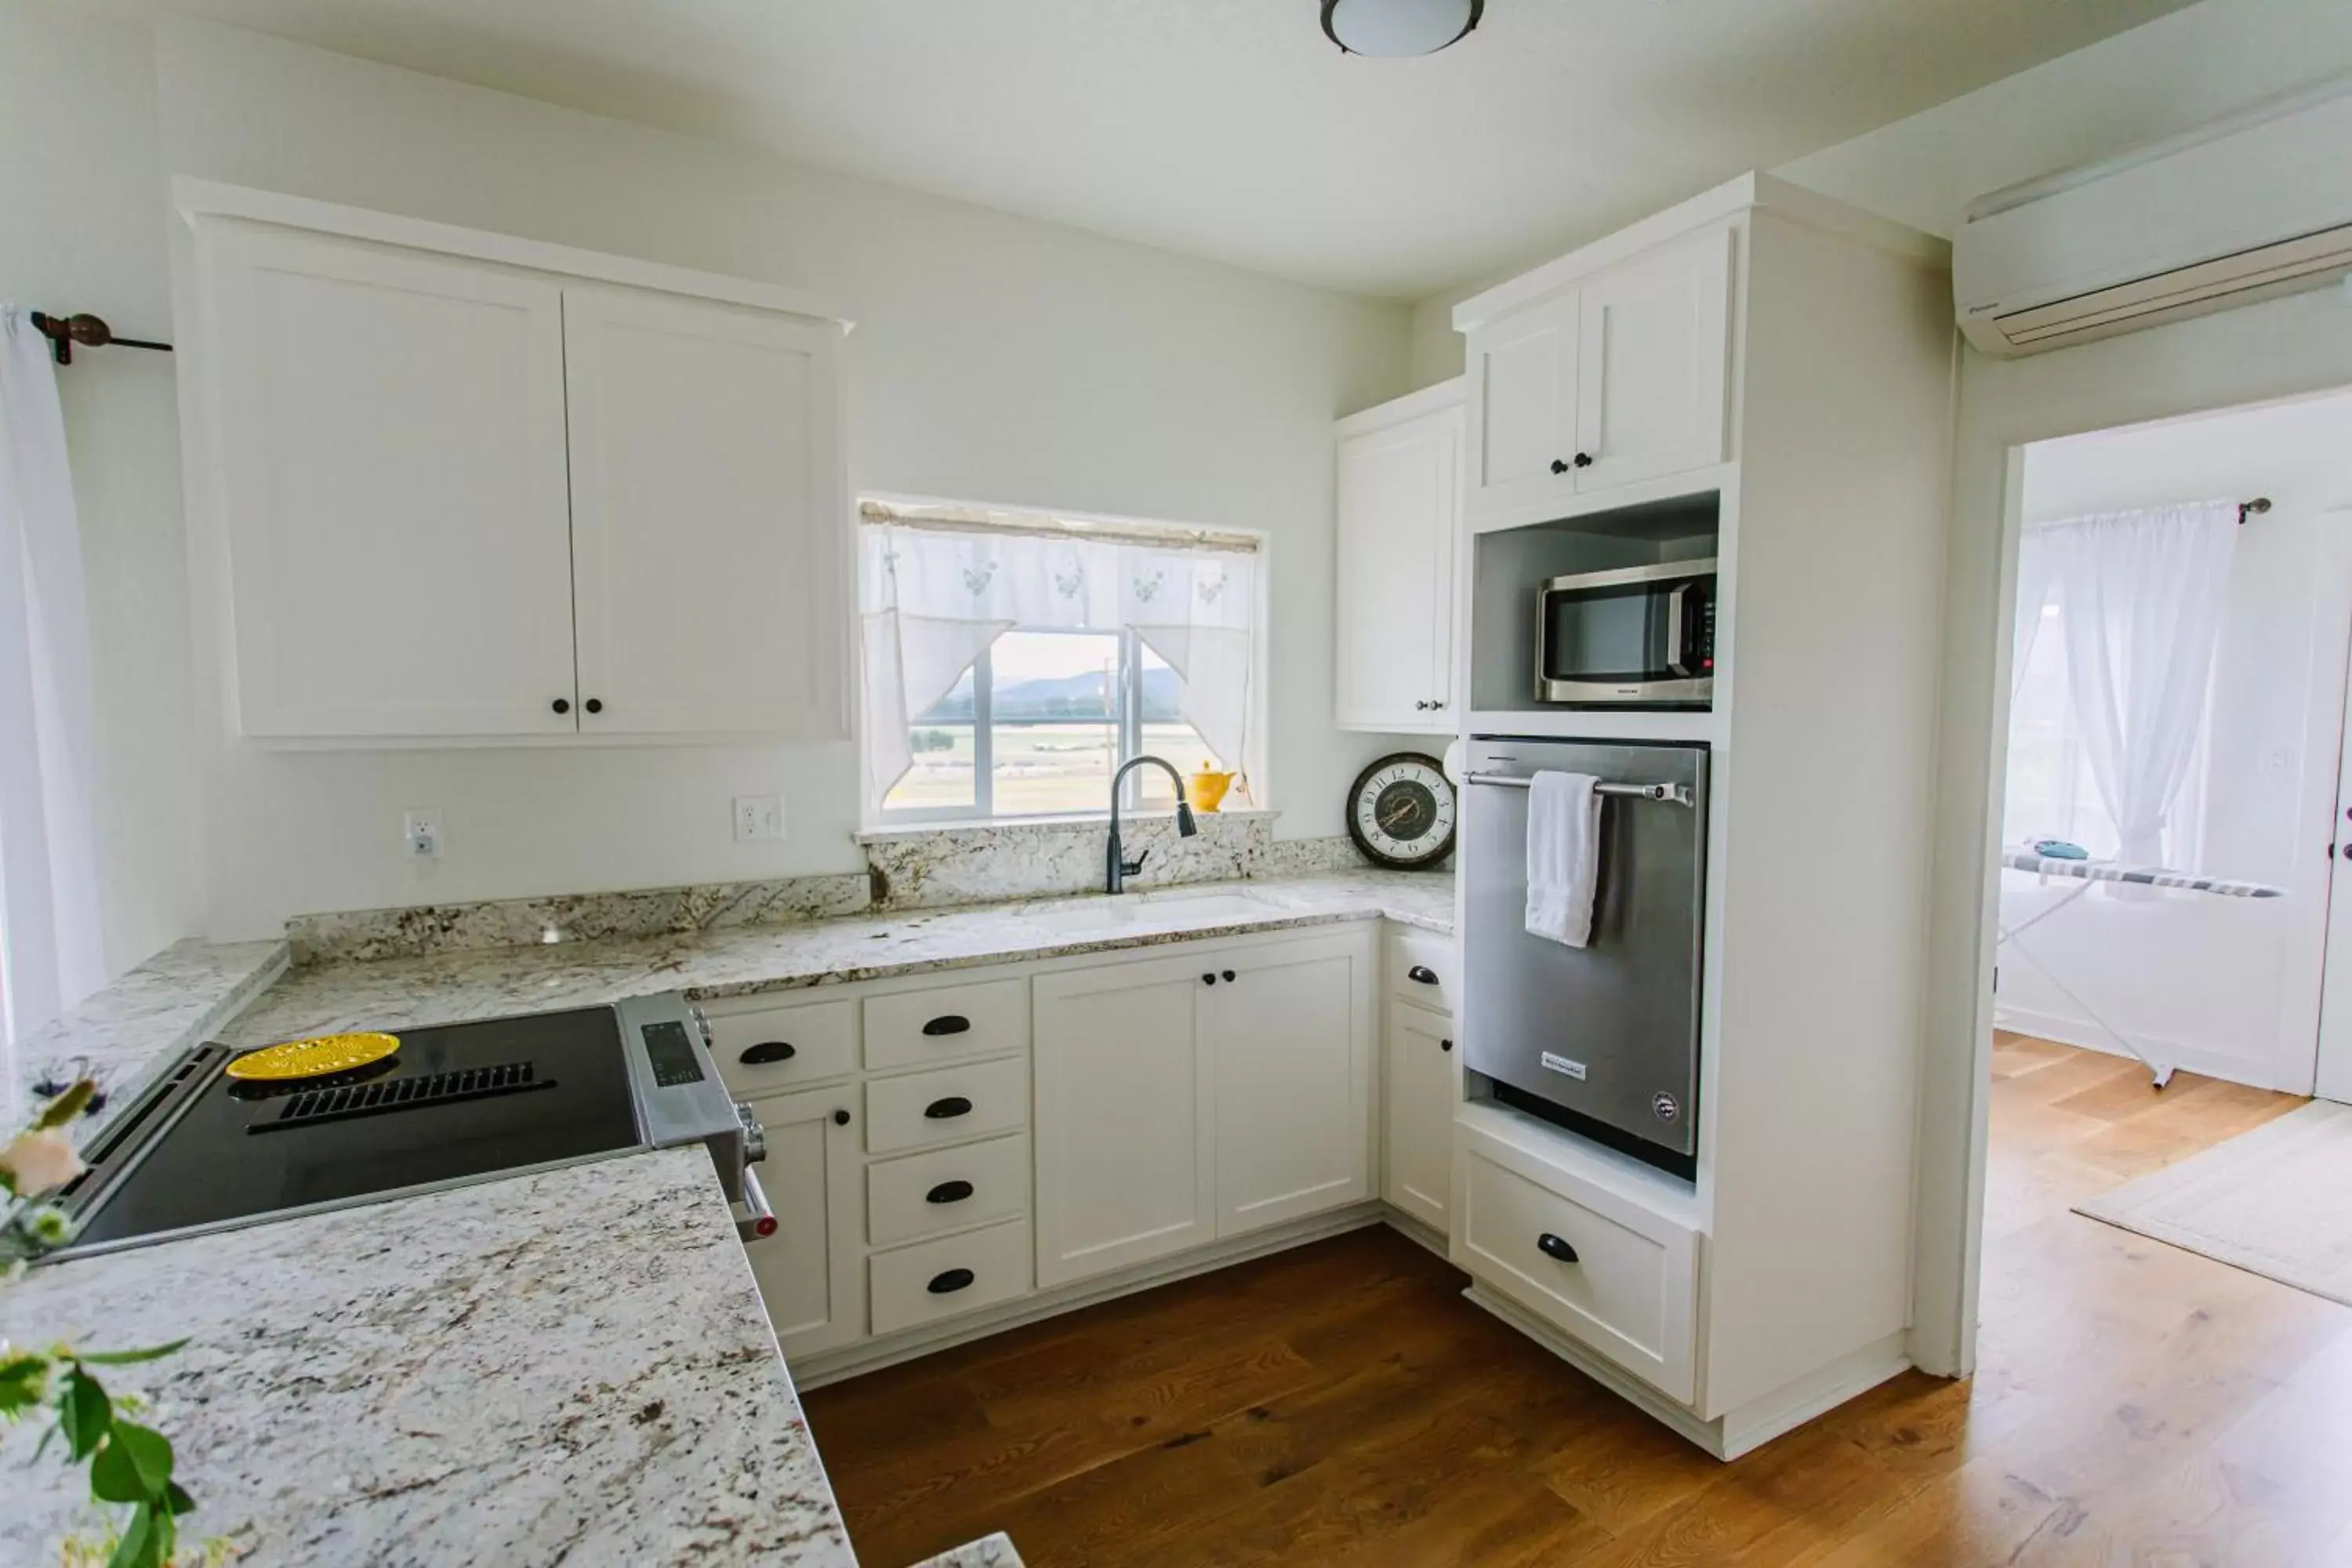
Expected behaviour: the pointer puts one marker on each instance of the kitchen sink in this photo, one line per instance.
(1171, 911)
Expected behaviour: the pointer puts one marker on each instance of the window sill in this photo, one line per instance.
(1075, 819)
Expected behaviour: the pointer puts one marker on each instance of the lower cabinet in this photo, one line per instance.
(1290, 1030)
(1420, 1092)
(812, 1270)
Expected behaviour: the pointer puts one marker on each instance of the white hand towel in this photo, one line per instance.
(1563, 856)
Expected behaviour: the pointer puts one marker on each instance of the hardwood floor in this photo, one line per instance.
(1342, 1404)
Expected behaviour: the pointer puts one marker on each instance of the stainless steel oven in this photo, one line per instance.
(1638, 637)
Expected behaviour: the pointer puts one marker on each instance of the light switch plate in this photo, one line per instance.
(759, 818)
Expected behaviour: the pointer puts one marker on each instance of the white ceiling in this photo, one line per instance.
(1232, 129)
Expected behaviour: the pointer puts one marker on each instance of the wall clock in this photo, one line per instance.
(1401, 812)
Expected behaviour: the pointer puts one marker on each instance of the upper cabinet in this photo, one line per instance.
(1399, 512)
(471, 488)
(1617, 377)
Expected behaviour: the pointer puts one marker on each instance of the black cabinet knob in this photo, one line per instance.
(561, 705)
(841, 1118)
(949, 1283)
(1229, 975)
(1208, 980)
(1445, 1044)
(949, 1108)
(949, 1192)
(947, 1024)
(1421, 705)
(1555, 1246)
(1557, 466)
(1421, 974)
(595, 705)
(1584, 459)
(766, 1051)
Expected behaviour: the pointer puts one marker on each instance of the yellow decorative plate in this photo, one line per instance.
(313, 1057)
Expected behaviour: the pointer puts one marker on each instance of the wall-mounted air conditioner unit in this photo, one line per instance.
(2254, 206)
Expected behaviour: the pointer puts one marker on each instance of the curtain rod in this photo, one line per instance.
(962, 519)
(90, 332)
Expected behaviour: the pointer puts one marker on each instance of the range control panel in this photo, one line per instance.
(673, 1057)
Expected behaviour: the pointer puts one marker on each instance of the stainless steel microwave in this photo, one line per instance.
(1639, 637)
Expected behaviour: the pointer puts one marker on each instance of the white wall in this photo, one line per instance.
(2223, 986)
(81, 228)
(995, 359)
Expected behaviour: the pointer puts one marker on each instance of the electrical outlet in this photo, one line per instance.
(420, 832)
(759, 818)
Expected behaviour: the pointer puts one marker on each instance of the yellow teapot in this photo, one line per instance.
(1207, 787)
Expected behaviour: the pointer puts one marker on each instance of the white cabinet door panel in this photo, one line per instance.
(1398, 502)
(812, 1271)
(1654, 345)
(1290, 1035)
(1420, 1080)
(391, 474)
(1523, 409)
(710, 532)
(1124, 1113)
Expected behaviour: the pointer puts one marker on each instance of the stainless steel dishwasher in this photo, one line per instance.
(1602, 1039)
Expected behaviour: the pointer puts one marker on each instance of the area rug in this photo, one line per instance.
(2277, 1202)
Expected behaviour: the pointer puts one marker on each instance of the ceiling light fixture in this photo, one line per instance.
(1393, 29)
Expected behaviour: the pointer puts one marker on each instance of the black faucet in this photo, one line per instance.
(1118, 869)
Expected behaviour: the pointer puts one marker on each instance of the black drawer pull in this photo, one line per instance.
(949, 1192)
(1552, 1245)
(767, 1051)
(1421, 974)
(949, 1283)
(954, 1105)
(947, 1024)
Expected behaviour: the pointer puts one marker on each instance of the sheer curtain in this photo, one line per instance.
(2139, 595)
(932, 597)
(50, 952)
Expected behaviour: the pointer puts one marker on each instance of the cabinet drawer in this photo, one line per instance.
(947, 1189)
(947, 1105)
(1424, 969)
(1606, 1271)
(916, 1029)
(761, 1050)
(935, 1279)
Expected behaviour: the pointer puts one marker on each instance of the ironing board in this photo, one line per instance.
(2089, 874)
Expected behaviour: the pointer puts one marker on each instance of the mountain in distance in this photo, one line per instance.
(1060, 696)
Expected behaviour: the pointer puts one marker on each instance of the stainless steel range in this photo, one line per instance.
(457, 1103)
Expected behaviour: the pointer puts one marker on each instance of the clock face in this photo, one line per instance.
(1400, 811)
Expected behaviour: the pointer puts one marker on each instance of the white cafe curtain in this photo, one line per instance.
(50, 951)
(931, 598)
(2139, 595)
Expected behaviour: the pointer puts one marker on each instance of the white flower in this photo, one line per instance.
(49, 1226)
(41, 1162)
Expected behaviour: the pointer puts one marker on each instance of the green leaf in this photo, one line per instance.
(127, 1358)
(84, 1413)
(144, 1544)
(177, 1500)
(136, 1466)
(24, 1381)
(65, 1107)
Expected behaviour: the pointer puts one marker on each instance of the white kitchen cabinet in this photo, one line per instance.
(1289, 1027)
(1620, 377)
(1653, 350)
(812, 1271)
(1399, 491)
(1125, 1117)
(460, 486)
(1420, 1089)
(388, 444)
(709, 534)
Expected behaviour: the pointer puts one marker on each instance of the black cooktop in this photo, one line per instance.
(456, 1101)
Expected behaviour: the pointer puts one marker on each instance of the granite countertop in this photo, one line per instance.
(739, 961)
(571, 1366)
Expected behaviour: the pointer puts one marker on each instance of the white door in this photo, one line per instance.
(812, 1270)
(1655, 346)
(1290, 1032)
(1522, 395)
(1418, 1176)
(392, 483)
(2333, 1069)
(1124, 1109)
(711, 532)
(1399, 505)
